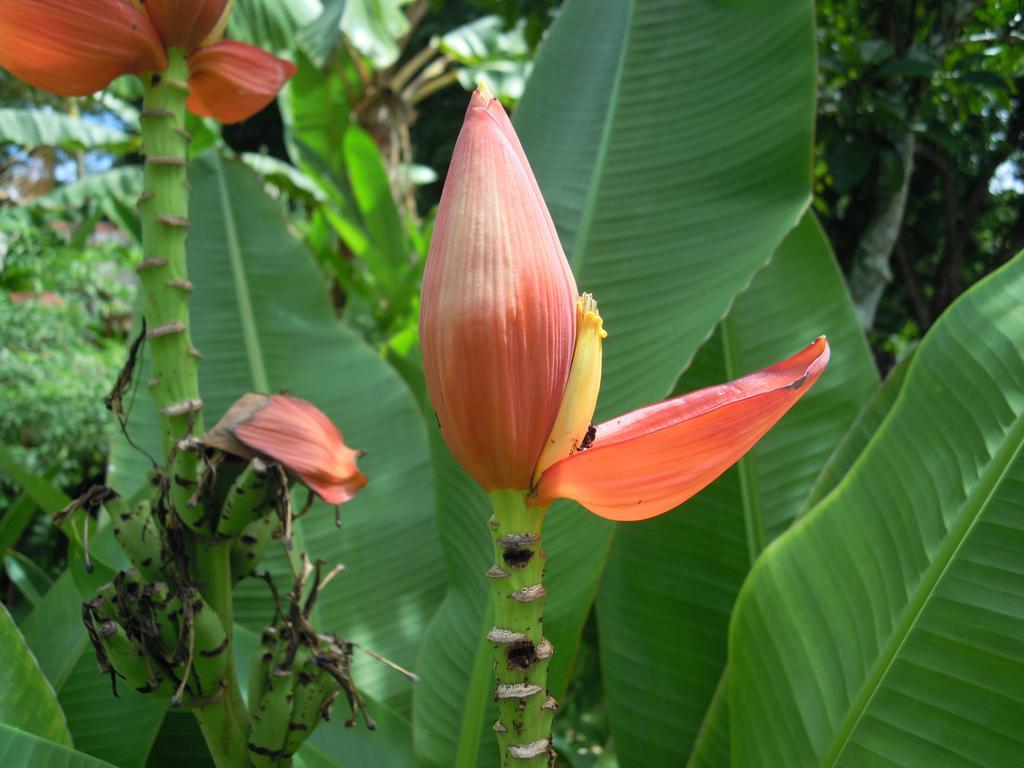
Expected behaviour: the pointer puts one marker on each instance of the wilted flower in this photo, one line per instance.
(77, 48)
(512, 356)
(297, 435)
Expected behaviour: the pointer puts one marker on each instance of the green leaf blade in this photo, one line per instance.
(19, 748)
(889, 620)
(32, 128)
(856, 439)
(28, 702)
(671, 582)
(694, 140)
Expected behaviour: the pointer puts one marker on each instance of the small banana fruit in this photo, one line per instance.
(128, 659)
(139, 535)
(268, 732)
(246, 500)
(247, 550)
(211, 652)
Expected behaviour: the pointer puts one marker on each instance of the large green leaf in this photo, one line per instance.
(488, 50)
(97, 717)
(670, 582)
(18, 748)
(31, 128)
(315, 110)
(887, 627)
(284, 175)
(858, 436)
(114, 192)
(321, 37)
(385, 254)
(57, 651)
(271, 24)
(262, 317)
(27, 701)
(31, 580)
(19, 514)
(123, 183)
(38, 488)
(673, 168)
(374, 28)
(711, 747)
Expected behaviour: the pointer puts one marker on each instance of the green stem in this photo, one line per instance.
(521, 652)
(163, 209)
(174, 382)
(225, 721)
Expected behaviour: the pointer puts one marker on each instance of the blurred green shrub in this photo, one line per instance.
(64, 313)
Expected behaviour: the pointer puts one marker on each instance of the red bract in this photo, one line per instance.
(77, 48)
(499, 321)
(655, 458)
(231, 81)
(296, 434)
(506, 351)
(186, 23)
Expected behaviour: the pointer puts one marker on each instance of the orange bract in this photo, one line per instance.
(232, 81)
(296, 434)
(76, 48)
(185, 23)
(655, 458)
(498, 320)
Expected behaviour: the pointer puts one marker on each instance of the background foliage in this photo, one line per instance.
(677, 173)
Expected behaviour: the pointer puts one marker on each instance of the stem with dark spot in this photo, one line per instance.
(521, 652)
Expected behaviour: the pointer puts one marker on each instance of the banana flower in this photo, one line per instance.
(76, 48)
(512, 355)
(512, 361)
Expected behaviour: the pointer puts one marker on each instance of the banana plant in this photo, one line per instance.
(216, 499)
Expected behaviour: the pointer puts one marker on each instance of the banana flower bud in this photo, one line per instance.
(498, 319)
(296, 434)
(513, 361)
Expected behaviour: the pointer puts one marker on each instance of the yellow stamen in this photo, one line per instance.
(485, 90)
(581, 389)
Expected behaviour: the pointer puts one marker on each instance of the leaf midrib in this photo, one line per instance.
(250, 335)
(987, 485)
